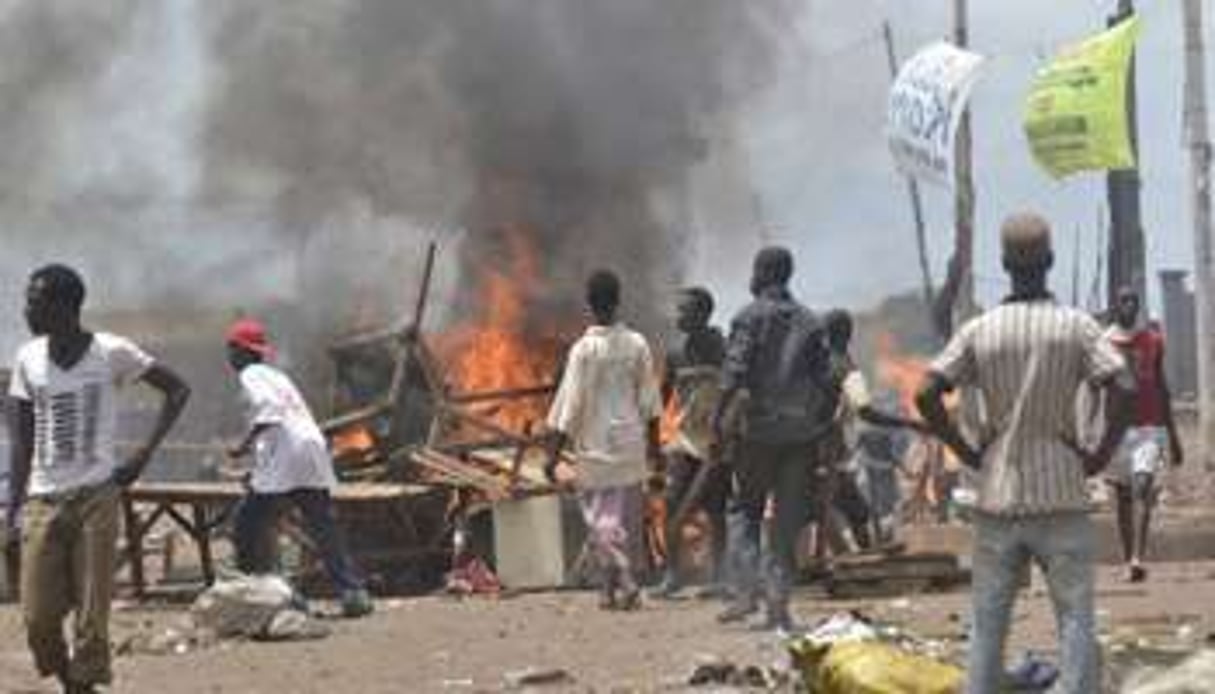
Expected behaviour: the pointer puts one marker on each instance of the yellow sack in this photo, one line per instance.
(1075, 116)
(871, 667)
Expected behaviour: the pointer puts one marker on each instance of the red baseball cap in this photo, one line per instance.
(250, 334)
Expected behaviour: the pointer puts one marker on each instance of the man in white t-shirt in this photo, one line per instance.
(66, 476)
(607, 408)
(292, 466)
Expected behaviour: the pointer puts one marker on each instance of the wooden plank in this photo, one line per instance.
(378, 491)
(912, 567)
(336, 424)
(454, 467)
(477, 422)
(185, 492)
(507, 394)
(220, 492)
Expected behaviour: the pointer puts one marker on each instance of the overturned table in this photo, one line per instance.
(198, 508)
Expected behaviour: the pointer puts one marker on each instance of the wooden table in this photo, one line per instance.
(199, 507)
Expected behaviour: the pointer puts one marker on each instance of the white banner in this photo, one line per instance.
(927, 101)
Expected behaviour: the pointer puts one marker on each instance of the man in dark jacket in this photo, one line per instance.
(778, 354)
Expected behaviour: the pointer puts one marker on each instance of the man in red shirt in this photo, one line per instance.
(1142, 453)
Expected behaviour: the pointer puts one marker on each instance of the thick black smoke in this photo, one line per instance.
(199, 157)
(573, 122)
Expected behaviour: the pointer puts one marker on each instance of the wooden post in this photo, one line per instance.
(202, 536)
(131, 524)
(955, 301)
(1198, 141)
(1126, 245)
(964, 195)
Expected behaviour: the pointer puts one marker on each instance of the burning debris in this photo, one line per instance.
(933, 468)
(463, 423)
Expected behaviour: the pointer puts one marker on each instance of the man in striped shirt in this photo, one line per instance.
(1027, 359)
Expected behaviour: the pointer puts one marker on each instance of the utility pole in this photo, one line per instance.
(1126, 246)
(913, 188)
(1198, 141)
(956, 302)
(964, 196)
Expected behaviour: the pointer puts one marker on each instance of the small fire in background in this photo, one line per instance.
(352, 441)
(903, 373)
(930, 464)
(672, 418)
(502, 346)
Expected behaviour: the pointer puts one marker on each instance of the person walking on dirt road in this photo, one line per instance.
(1152, 437)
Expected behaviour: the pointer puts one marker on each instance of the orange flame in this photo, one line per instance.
(352, 441)
(668, 426)
(902, 373)
(495, 350)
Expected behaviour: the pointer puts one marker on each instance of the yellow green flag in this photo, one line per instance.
(1076, 117)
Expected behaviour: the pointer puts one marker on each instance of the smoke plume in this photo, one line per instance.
(198, 157)
(571, 123)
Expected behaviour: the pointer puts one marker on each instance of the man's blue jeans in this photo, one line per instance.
(255, 523)
(783, 472)
(1063, 546)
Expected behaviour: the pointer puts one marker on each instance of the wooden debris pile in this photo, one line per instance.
(401, 420)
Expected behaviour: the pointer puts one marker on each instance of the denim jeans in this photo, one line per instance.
(1063, 546)
(782, 471)
(255, 523)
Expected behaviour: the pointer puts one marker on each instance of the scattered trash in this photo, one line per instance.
(1032, 674)
(843, 626)
(473, 577)
(715, 672)
(870, 667)
(259, 607)
(292, 625)
(169, 640)
(537, 677)
(1191, 676)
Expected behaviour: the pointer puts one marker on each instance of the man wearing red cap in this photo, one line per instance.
(292, 466)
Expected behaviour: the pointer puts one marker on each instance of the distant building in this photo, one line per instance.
(1181, 356)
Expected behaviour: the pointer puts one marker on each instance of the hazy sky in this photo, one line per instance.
(828, 185)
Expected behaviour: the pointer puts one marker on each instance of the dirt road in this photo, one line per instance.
(446, 645)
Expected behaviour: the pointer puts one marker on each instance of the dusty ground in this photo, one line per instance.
(445, 645)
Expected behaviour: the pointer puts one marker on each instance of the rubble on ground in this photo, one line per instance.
(1194, 675)
(255, 607)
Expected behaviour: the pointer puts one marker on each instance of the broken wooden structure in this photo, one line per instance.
(401, 421)
(420, 428)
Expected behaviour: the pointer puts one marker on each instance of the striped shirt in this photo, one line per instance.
(1028, 360)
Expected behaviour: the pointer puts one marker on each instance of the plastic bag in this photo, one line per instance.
(242, 606)
(870, 667)
(843, 626)
(1195, 674)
